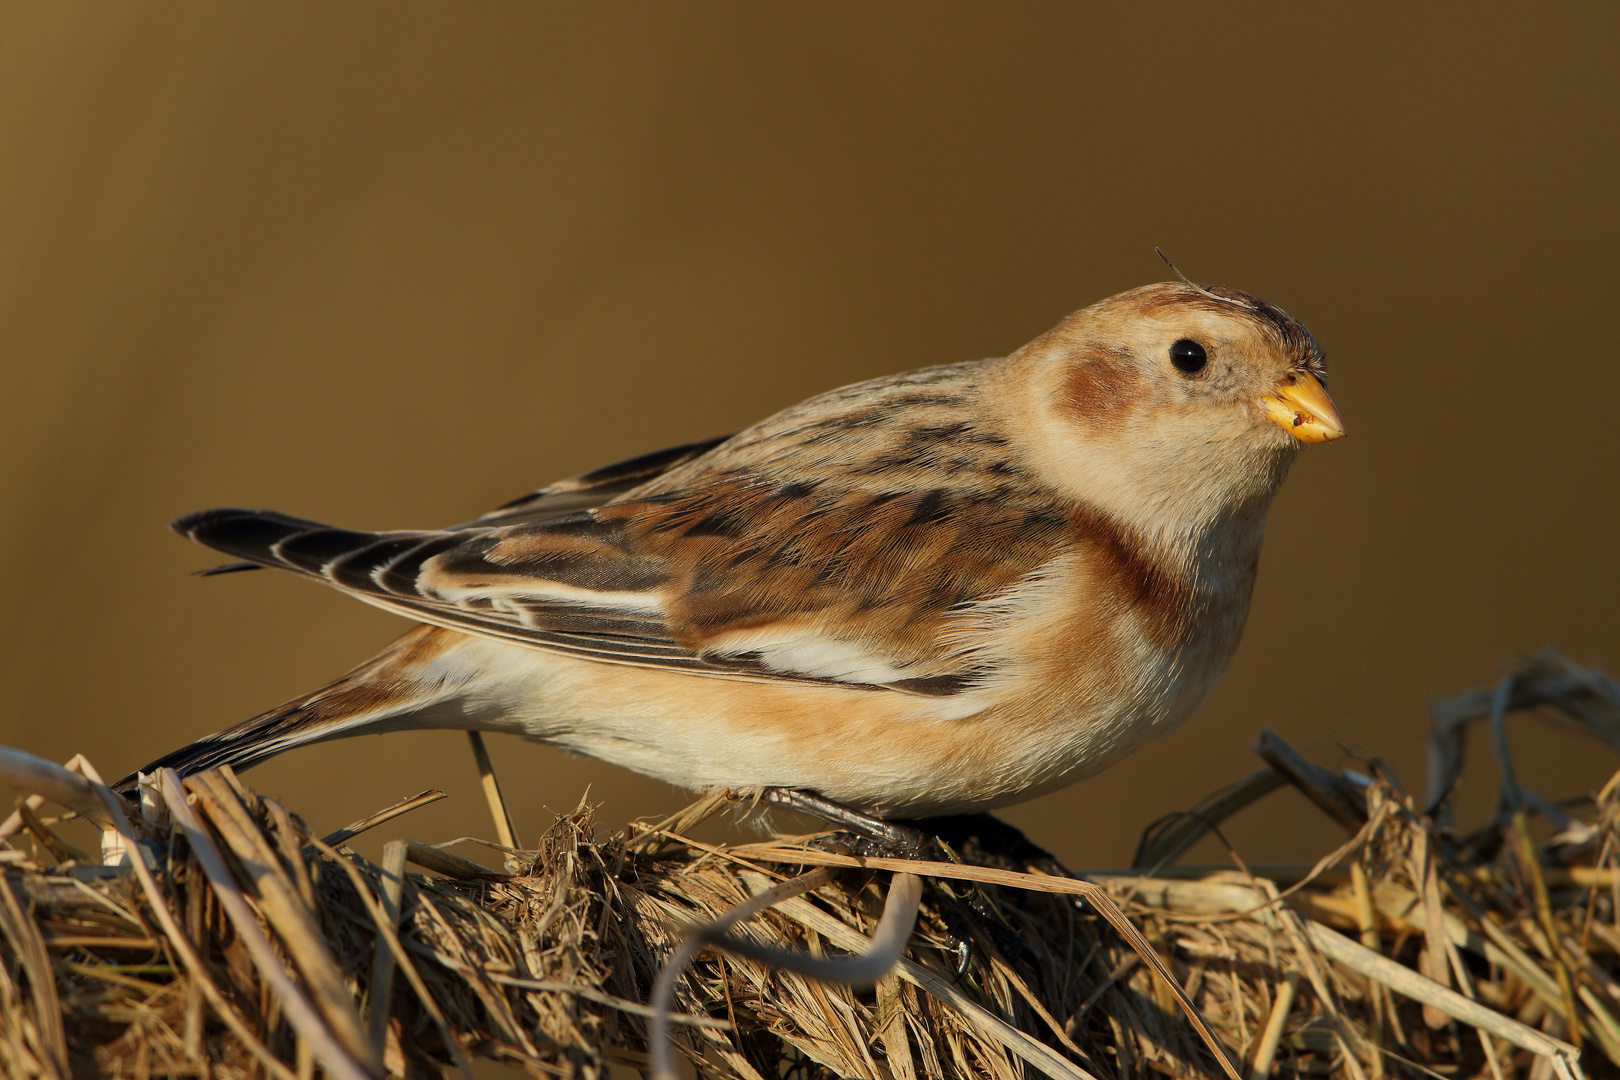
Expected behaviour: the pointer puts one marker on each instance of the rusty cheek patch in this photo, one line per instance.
(1101, 388)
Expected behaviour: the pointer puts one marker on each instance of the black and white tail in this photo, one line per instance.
(385, 693)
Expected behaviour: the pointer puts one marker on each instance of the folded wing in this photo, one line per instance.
(817, 545)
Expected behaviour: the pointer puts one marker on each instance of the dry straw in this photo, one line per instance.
(234, 943)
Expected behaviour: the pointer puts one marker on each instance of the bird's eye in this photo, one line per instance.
(1188, 356)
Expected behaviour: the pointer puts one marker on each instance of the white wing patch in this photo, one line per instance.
(516, 597)
(800, 651)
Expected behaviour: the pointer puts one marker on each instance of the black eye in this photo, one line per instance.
(1188, 356)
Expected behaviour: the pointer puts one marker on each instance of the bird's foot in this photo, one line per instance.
(987, 839)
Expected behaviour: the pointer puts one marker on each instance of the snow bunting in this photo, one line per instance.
(936, 592)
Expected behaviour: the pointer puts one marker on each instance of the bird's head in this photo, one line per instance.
(1173, 403)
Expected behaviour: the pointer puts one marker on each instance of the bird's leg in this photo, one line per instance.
(995, 840)
(897, 839)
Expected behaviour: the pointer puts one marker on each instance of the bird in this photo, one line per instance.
(932, 593)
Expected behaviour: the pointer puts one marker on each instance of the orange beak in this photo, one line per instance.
(1300, 405)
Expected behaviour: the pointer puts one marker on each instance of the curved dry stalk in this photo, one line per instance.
(888, 944)
(28, 772)
(1095, 894)
(1021, 1044)
(663, 996)
(859, 972)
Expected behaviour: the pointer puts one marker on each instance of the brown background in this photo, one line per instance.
(390, 265)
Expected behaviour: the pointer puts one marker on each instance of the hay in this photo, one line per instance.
(234, 943)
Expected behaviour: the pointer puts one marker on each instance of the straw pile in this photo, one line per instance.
(233, 943)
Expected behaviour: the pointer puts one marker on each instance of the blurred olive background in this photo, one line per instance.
(388, 265)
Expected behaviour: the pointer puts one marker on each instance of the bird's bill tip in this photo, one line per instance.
(1300, 405)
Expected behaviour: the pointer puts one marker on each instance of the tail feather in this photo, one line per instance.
(268, 538)
(386, 693)
(365, 562)
(247, 534)
(240, 747)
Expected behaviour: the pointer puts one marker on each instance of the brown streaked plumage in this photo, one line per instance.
(939, 591)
